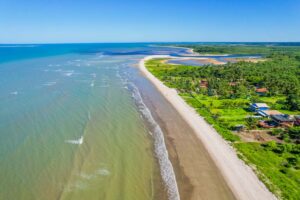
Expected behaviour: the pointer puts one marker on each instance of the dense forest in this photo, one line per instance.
(254, 48)
(280, 75)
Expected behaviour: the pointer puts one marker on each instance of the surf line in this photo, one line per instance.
(78, 141)
(166, 168)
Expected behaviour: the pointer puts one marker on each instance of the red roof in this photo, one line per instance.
(261, 90)
(203, 83)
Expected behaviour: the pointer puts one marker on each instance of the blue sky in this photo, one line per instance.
(57, 21)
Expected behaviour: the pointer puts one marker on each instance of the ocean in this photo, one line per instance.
(73, 124)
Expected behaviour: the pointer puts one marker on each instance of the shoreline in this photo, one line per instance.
(197, 59)
(191, 52)
(240, 178)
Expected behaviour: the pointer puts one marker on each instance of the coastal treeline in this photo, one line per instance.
(248, 48)
(222, 95)
(280, 74)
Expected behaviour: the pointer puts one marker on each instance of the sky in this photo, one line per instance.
(72, 21)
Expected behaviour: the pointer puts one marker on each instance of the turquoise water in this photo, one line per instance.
(72, 125)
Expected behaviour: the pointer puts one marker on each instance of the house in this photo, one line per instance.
(283, 120)
(255, 107)
(268, 113)
(266, 124)
(203, 84)
(261, 91)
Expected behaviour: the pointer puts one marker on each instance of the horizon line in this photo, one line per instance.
(174, 42)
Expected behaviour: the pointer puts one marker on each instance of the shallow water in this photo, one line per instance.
(70, 127)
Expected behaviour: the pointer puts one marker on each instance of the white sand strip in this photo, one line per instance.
(241, 179)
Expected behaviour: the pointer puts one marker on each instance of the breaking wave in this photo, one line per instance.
(14, 93)
(103, 172)
(68, 73)
(166, 168)
(51, 83)
(78, 141)
(92, 83)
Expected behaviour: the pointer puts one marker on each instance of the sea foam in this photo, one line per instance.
(92, 83)
(51, 83)
(68, 73)
(103, 172)
(166, 168)
(78, 141)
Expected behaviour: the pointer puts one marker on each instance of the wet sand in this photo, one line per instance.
(196, 174)
(206, 166)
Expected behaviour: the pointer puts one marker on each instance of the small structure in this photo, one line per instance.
(255, 107)
(203, 83)
(268, 113)
(283, 120)
(261, 91)
(267, 124)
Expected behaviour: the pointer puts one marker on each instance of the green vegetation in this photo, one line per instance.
(281, 76)
(243, 49)
(222, 94)
(277, 165)
(203, 106)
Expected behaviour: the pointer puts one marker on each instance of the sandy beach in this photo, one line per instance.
(239, 177)
(253, 60)
(201, 60)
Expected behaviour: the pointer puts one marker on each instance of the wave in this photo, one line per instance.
(14, 93)
(68, 73)
(103, 172)
(51, 83)
(92, 83)
(95, 174)
(78, 141)
(166, 168)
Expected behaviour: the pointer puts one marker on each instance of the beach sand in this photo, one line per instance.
(202, 60)
(253, 60)
(206, 166)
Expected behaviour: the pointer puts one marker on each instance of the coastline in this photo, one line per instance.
(201, 59)
(191, 52)
(240, 178)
